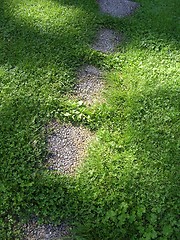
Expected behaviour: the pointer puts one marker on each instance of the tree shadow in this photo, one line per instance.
(39, 49)
(148, 24)
(45, 57)
(127, 185)
(88, 6)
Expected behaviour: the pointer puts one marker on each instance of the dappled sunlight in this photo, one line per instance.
(128, 143)
(43, 43)
(47, 16)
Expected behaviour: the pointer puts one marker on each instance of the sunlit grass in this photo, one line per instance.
(128, 187)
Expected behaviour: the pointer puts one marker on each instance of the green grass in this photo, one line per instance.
(129, 186)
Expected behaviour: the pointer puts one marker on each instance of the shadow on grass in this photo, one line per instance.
(129, 189)
(149, 28)
(48, 53)
(44, 58)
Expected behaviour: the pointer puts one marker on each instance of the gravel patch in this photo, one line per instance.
(34, 231)
(67, 147)
(107, 41)
(118, 8)
(90, 85)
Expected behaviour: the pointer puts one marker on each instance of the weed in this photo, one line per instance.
(128, 186)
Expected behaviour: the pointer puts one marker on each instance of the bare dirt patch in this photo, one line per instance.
(34, 231)
(107, 41)
(90, 85)
(118, 8)
(67, 146)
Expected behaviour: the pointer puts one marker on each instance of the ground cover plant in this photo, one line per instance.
(128, 188)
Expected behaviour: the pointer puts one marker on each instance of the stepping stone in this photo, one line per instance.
(118, 8)
(67, 147)
(34, 231)
(90, 85)
(107, 41)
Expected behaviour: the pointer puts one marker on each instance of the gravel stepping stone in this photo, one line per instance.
(90, 85)
(107, 41)
(67, 147)
(118, 8)
(34, 231)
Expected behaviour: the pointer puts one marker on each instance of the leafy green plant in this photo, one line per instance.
(128, 187)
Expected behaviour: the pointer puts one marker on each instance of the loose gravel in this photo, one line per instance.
(67, 147)
(107, 41)
(118, 8)
(90, 85)
(34, 231)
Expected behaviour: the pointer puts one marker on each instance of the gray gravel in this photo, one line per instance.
(107, 41)
(67, 146)
(118, 8)
(34, 231)
(90, 85)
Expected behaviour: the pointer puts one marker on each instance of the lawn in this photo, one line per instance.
(128, 187)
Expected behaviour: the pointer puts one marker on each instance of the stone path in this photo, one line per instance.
(90, 85)
(67, 144)
(107, 41)
(67, 147)
(118, 8)
(34, 231)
